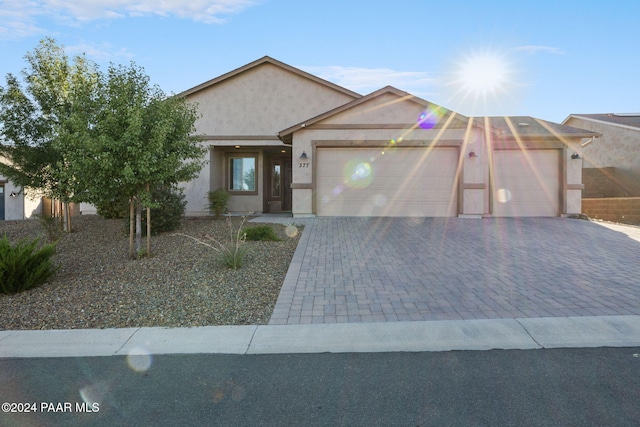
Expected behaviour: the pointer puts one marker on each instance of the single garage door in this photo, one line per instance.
(527, 183)
(386, 182)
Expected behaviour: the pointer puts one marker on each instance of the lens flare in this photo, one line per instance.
(94, 393)
(139, 359)
(358, 174)
(429, 118)
(362, 171)
(503, 195)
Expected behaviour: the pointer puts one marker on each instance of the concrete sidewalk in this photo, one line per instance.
(483, 334)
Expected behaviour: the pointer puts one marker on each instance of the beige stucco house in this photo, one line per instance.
(280, 139)
(612, 162)
(241, 115)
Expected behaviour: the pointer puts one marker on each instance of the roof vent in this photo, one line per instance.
(523, 124)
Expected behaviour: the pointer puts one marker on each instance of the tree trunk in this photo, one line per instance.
(138, 226)
(59, 208)
(67, 213)
(63, 216)
(148, 227)
(132, 254)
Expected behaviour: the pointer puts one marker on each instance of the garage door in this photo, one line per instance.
(526, 183)
(382, 182)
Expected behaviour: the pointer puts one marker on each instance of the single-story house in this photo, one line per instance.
(14, 204)
(611, 166)
(280, 139)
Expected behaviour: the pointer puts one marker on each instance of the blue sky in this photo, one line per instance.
(546, 59)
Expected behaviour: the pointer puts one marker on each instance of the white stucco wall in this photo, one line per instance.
(32, 205)
(88, 209)
(13, 206)
(21, 206)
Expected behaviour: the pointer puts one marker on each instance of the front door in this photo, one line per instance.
(278, 188)
(1, 202)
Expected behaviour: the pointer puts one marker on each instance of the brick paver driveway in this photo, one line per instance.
(398, 269)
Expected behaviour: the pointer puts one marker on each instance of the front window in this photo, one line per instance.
(242, 174)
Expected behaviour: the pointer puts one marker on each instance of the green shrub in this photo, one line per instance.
(113, 209)
(51, 226)
(218, 201)
(261, 232)
(165, 217)
(24, 266)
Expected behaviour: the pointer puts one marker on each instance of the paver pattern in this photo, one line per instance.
(403, 269)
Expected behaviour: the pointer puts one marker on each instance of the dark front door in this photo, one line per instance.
(1, 202)
(278, 188)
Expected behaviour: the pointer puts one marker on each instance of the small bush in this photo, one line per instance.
(167, 216)
(113, 209)
(261, 232)
(218, 201)
(51, 226)
(23, 266)
(231, 253)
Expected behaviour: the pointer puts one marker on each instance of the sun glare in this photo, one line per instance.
(483, 74)
(482, 82)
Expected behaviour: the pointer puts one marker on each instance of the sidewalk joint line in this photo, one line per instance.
(527, 332)
(251, 340)
(125, 343)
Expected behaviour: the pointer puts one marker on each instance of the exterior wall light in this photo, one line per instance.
(575, 156)
(472, 154)
(13, 194)
(303, 156)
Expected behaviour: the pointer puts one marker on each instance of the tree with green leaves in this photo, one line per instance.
(135, 139)
(77, 134)
(34, 119)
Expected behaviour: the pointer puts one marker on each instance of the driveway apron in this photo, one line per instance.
(401, 269)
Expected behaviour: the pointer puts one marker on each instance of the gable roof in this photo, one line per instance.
(626, 120)
(286, 135)
(505, 126)
(527, 126)
(268, 60)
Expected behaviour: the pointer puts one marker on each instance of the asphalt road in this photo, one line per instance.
(598, 386)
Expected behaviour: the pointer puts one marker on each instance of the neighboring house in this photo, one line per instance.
(612, 162)
(14, 204)
(281, 139)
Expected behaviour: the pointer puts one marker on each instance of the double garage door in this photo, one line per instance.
(422, 182)
(386, 182)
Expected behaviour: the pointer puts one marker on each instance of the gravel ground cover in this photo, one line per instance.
(182, 284)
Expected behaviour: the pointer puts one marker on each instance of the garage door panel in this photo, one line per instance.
(406, 182)
(526, 183)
